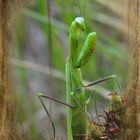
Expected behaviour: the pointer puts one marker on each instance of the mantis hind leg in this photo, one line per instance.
(40, 96)
(100, 81)
(103, 80)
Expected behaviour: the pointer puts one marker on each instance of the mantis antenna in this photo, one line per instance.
(82, 7)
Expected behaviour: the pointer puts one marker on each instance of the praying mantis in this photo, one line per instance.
(77, 122)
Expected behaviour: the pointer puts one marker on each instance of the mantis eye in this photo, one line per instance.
(80, 22)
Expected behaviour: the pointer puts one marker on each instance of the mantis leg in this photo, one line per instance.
(88, 100)
(40, 96)
(116, 100)
(87, 50)
(100, 81)
(76, 100)
(105, 79)
(82, 109)
(56, 100)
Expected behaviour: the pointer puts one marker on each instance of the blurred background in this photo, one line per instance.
(40, 51)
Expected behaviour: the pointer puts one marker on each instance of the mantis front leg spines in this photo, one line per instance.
(78, 57)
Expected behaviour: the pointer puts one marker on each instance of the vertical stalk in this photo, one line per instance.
(45, 9)
(49, 43)
(7, 126)
(6, 115)
(132, 110)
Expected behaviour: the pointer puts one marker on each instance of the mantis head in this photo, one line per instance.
(77, 25)
(80, 22)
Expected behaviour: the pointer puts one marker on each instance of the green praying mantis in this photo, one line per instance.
(77, 58)
(77, 122)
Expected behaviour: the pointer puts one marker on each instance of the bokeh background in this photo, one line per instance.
(40, 51)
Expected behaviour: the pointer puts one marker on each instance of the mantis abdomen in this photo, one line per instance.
(76, 117)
